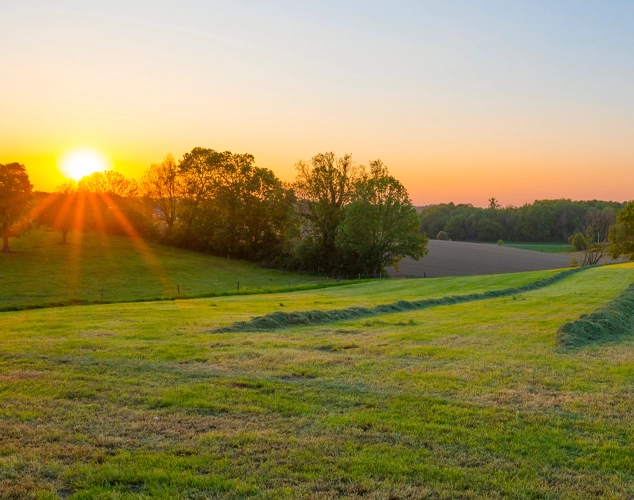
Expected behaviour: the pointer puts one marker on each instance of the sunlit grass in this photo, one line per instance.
(542, 247)
(462, 401)
(40, 271)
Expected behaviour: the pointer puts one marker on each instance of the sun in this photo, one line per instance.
(81, 162)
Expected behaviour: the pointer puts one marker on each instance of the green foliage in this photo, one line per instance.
(15, 193)
(228, 206)
(621, 235)
(537, 222)
(545, 220)
(578, 242)
(442, 235)
(489, 230)
(454, 228)
(380, 226)
(324, 186)
(500, 243)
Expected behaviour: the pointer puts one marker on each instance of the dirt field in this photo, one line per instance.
(457, 258)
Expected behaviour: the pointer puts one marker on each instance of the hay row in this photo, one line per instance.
(610, 322)
(279, 319)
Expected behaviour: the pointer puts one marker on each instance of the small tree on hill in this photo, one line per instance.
(578, 242)
(596, 230)
(15, 192)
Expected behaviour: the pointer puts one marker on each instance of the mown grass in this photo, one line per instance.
(542, 247)
(313, 317)
(42, 272)
(469, 400)
(607, 324)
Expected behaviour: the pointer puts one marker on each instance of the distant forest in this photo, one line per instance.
(541, 221)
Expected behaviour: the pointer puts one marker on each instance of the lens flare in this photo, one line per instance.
(81, 162)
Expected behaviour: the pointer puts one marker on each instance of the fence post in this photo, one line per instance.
(102, 295)
(178, 287)
(238, 286)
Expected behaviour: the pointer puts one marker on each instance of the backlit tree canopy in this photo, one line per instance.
(15, 192)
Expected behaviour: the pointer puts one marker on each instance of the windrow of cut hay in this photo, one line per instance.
(610, 322)
(279, 319)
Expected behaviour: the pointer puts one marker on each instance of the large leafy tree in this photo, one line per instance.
(15, 192)
(245, 212)
(199, 171)
(622, 233)
(324, 185)
(381, 226)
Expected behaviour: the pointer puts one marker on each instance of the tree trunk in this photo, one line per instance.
(5, 243)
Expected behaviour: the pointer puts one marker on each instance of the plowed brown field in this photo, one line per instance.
(458, 258)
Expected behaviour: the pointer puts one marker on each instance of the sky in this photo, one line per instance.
(462, 100)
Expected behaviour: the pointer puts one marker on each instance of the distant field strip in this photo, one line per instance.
(279, 319)
(610, 322)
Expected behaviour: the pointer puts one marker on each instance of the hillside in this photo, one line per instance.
(463, 400)
(41, 271)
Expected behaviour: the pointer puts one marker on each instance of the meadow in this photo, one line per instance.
(40, 271)
(469, 400)
(543, 247)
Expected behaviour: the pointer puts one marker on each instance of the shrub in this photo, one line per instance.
(500, 243)
(442, 236)
(573, 262)
(578, 242)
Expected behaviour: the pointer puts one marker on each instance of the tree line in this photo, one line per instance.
(541, 221)
(337, 217)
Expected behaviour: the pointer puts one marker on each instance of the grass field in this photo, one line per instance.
(41, 271)
(462, 401)
(543, 247)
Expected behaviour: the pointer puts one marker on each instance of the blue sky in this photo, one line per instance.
(462, 100)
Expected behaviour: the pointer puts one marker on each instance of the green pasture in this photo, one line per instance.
(41, 271)
(542, 247)
(471, 400)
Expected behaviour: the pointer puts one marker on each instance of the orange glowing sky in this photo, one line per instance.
(462, 100)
